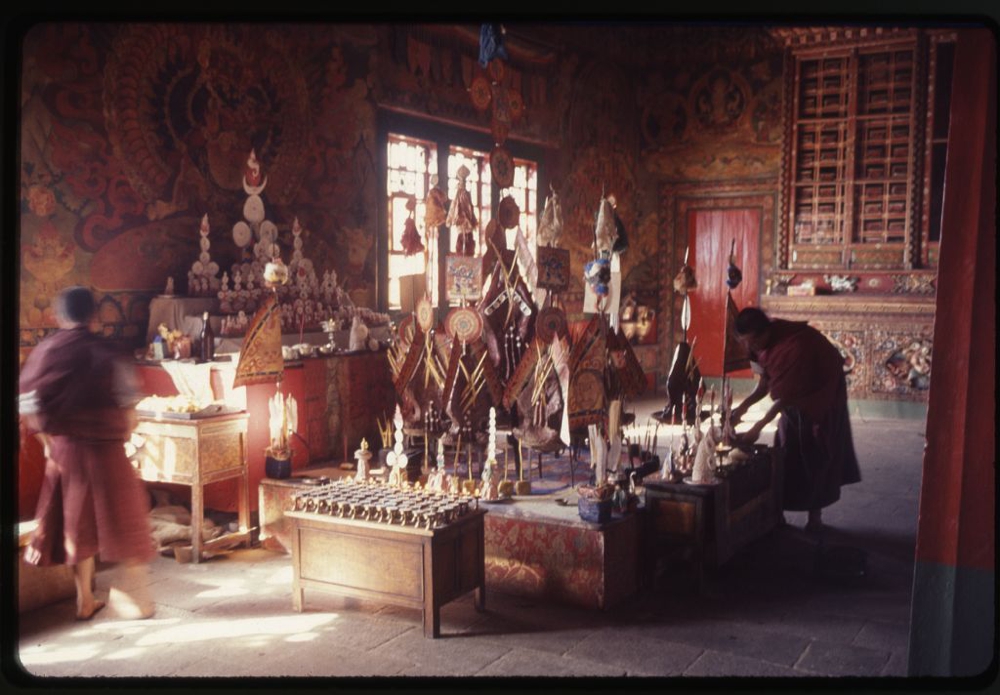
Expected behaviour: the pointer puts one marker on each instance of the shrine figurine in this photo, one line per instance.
(363, 457)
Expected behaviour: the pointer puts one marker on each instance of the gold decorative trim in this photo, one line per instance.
(806, 37)
(837, 305)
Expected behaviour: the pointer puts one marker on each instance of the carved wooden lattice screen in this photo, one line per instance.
(858, 186)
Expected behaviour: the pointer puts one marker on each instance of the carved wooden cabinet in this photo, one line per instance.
(400, 565)
(197, 452)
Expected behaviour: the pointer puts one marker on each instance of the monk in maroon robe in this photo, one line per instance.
(803, 373)
(79, 395)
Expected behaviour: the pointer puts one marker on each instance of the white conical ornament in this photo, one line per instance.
(491, 473)
(396, 458)
(703, 471)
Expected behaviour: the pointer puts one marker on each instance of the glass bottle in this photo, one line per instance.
(207, 339)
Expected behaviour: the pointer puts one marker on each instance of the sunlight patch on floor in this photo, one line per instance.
(282, 577)
(303, 637)
(223, 591)
(229, 629)
(43, 654)
(132, 627)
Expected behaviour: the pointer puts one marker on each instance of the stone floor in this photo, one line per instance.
(784, 607)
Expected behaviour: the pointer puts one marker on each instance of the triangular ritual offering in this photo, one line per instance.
(260, 358)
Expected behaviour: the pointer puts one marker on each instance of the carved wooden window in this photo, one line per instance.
(864, 171)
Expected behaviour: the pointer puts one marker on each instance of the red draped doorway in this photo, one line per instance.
(711, 231)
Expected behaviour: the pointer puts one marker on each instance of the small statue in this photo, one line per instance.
(363, 456)
(491, 480)
(169, 289)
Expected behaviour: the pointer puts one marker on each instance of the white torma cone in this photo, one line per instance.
(359, 335)
(598, 454)
(703, 471)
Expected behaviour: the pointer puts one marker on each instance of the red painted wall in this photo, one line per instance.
(957, 506)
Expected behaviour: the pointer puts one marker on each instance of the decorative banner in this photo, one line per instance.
(502, 167)
(551, 323)
(524, 373)
(493, 382)
(260, 358)
(464, 324)
(463, 277)
(587, 360)
(501, 104)
(451, 372)
(587, 399)
(412, 361)
(553, 268)
(516, 104)
(425, 314)
(480, 92)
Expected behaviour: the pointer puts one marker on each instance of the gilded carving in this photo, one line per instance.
(913, 284)
(886, 356)
(851, 347)
(877, 258)
(842, 283)
(901, 363)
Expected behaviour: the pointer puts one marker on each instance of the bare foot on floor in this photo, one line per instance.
(128, 608)
(91, 611)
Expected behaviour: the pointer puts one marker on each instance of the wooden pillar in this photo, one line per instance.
(953, 612)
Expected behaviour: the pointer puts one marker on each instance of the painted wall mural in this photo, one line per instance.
(718, 121)
(131, 133)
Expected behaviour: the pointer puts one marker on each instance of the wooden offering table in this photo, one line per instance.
(714, 521)
(400, 565)
(196, 452)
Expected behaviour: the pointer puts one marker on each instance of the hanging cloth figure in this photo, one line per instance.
(436, 207)
(621, 241)
(491, 43)
(462, 215)
(550, 225)
(411, 237)
(606, 233)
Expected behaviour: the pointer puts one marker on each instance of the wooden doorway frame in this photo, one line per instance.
(676, 201)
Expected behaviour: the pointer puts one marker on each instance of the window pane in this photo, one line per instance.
(477, 183)
(411, 164)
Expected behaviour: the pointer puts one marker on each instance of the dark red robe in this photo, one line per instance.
(806, 372)
(92, 500)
